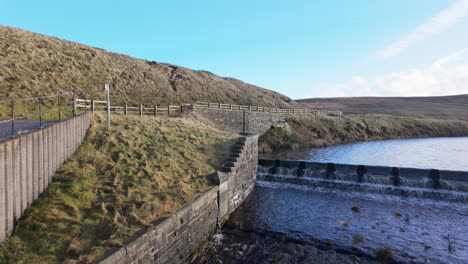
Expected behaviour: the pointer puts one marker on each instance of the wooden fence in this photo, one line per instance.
(100, 106)
(97, 106)
(286, 111)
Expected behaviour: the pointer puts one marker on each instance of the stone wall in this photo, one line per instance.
(238, 176)
(421, 183)
(172, 239)
(28, 163)
(175, 238)
(233, 120)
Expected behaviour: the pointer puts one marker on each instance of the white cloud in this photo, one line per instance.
(445, 76)
(435, 24)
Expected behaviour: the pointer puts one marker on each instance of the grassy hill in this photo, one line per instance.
(34, 64)
(440, 107)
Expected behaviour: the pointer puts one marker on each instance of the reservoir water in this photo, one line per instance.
(426, 153)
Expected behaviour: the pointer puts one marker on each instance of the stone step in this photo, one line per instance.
(237, 148)
(242, 139)
(234, 155)
(229, 164)
(226, 169)
(240, 143)
(232, 160)
(236, 151)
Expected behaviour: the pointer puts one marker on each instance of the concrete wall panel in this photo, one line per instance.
(36, 166)
(9, 186)
(16, 179)
(23, 148)
(28, 163)
(29, 169)
(2, 194)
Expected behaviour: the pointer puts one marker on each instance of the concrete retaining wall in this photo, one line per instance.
(174, 239)
(233, 120)
(28, 163)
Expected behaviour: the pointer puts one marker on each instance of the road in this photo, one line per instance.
(21, 126)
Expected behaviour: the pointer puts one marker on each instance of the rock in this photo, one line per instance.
(283, 258)
(294, 249)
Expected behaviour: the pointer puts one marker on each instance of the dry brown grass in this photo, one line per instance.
(32, 65)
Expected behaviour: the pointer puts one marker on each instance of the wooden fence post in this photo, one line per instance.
(74, 105)
(92, 106)
(168, 110)
(141, 109)
(155, 110)
(125, 109)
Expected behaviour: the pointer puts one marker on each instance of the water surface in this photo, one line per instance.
(426, 153)
(414, 230)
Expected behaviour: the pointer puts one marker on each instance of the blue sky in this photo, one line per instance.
(299, 48)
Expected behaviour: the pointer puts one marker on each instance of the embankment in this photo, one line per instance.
(117, 182)
(320, 131)
(175, 238)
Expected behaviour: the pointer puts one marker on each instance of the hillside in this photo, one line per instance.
(32, 64)
(440, 107)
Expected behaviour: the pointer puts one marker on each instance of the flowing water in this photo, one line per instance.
(414, 230)
(362, 224)
(427, 153)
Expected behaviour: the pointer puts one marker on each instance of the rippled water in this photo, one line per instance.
(434, 153)
(414, 230)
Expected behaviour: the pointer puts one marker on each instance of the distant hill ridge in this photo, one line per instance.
(33, 64)
(441, 107)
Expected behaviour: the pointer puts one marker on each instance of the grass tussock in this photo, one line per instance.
(117, 182)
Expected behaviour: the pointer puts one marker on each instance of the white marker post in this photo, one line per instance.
(106, 89)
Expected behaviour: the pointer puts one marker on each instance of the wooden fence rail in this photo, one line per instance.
(286, 111)
(97, 106)
(100, 106)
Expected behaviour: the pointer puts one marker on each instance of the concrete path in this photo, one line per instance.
(21, 126)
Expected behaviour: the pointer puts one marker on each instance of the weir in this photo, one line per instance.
(244, 196)
(407, 182)
(415, 215)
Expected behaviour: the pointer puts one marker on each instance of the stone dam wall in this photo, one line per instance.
(239, 121)
(421, 183)
(175, 238)
(28, 163)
